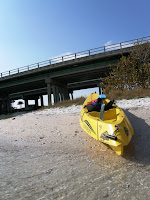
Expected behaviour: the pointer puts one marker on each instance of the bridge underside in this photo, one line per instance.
(58, 80)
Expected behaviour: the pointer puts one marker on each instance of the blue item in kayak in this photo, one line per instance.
(102, 112)
(102, 96)
(95, 104)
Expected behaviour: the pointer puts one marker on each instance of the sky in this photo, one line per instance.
(36, 30)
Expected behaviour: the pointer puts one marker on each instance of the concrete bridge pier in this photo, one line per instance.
(99, 87)
(9, 109)
(62, 96)
(36, 102)
(5, 106)
(59, 91)
(71, 93)
(1, 107)
(56, 96)
(26, 104)
(42, 102)
(54, 93)
(66, 93)
(49, 92)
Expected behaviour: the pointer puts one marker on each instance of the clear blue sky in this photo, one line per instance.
(35, 30)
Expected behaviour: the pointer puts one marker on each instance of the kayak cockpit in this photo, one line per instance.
(112, 115)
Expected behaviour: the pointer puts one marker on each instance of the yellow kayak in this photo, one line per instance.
(114, 129)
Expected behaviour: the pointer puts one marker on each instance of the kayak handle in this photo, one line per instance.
(111, 137)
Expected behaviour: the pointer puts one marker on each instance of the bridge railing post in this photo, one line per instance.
(50, 62)
(104, 49)
(1, 75)
(75, 55)
(18, 70)
(120, 45)
(89, 52)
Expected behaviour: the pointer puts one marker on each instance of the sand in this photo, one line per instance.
(46, 155)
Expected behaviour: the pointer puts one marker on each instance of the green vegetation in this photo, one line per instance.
(132, 72)
(128, 94)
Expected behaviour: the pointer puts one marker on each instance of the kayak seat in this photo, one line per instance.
(94, 114)
(110, 115)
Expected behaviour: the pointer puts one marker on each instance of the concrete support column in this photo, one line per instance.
(26, 103)
(61, 94)
(36, 102)
(4, 106)
(99, 87)
(59, 90)
(8, 105)
(54, 94)
(100, 90)
(1, 107)
(72, 95)
(49, 92)
(57, 94)
(68, 97)
(42, 102)
(66, 93)
(27, 107)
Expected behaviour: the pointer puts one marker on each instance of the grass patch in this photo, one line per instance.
(129, 94)
(67, 103)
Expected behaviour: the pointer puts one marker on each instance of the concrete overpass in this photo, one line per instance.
(61, 76)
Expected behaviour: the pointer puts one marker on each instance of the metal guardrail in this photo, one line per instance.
(73, 56)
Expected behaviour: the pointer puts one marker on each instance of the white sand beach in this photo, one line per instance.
(46, 155)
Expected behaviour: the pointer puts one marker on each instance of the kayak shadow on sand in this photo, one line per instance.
(138, 150)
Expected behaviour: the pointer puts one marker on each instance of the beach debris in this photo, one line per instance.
(49, 171)
(41, 137)
(76, 131)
